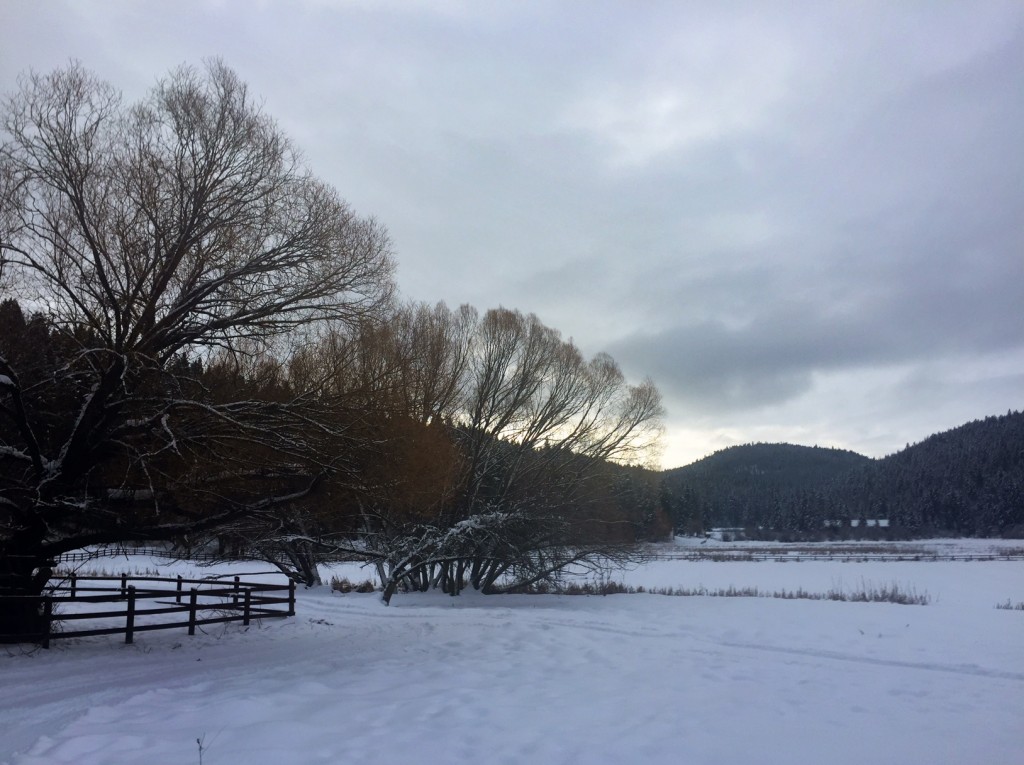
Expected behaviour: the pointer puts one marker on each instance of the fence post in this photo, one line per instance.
(129, 629)
(47, 619)
(177, 595)
(291, 597)
(124, 585)
(192, 612)
(234, 598)
(246, 606)
(74, 583)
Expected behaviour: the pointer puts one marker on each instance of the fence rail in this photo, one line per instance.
(206, 601)
(81, 556)
(199, 556)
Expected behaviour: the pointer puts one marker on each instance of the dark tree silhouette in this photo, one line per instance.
(150, 237)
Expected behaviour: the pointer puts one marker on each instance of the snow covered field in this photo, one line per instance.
(553, 679)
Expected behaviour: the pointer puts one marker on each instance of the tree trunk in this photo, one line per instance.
(310, 569)
(24, 572)
(460, 576)
(494, 571)
(389, 590)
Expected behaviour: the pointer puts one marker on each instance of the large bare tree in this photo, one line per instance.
(405, 373)
(151, 235)
(537, 426)
(495, 451)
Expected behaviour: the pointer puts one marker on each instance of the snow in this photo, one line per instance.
(552, 679)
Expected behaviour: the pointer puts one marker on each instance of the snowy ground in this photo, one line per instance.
(553, 679)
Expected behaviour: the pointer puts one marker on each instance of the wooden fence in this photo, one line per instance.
(199, 556)
(82, 556)
(205, 601)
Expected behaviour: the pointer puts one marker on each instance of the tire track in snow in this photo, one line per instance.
(954, 669)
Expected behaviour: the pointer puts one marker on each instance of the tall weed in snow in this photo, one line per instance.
(866, 593)
(1009, 606)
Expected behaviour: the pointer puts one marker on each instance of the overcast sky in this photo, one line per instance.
(804, 221)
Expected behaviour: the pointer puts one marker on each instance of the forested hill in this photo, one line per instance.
(969, 480)
(781, 466)
(751, 485)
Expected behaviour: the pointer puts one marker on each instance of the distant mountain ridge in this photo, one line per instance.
(968, 480)
(778, 463)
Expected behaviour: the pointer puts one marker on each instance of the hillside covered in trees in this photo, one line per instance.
(966, 481)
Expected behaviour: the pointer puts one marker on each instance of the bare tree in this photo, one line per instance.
(538, 425)
(148, 233)
(406, 374)
(487, 454)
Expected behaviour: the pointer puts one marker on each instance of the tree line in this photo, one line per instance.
(201, 341)
(968, 481)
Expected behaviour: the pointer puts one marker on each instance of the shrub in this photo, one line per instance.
(343, 585)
